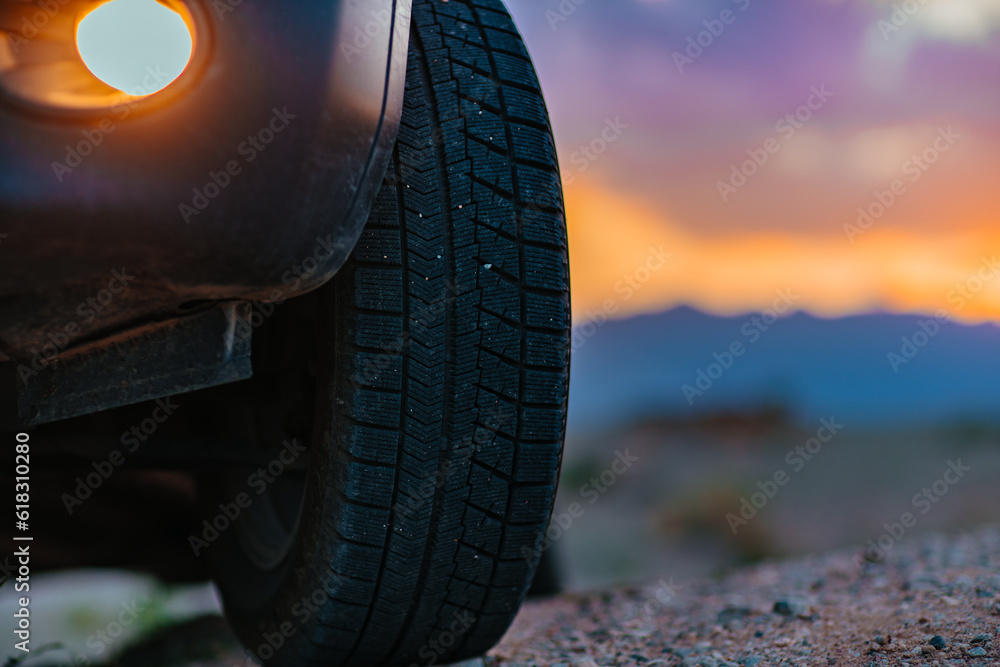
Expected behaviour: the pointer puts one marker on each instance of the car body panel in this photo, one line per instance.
(250, 184)
(277, 72)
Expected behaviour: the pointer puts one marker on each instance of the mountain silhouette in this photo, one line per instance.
(873, 371)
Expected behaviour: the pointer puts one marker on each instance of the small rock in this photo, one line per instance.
(980, 639)
(753, 661)
(882, 641)
(732, 615)
(700, 661)
(789, 608)
(924, 582)
(938, 642)
(977, 651)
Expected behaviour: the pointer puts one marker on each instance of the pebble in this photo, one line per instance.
(789, 608)
(753, 661)
(732, 615)
(980, 639)
(924, 582)
(701, 661)
(938, 642)
(977, 651)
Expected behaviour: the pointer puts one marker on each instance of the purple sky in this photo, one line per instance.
(615, 59)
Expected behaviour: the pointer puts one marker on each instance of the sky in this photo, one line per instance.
(720, 153)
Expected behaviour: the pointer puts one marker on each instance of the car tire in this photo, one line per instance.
(440, 381)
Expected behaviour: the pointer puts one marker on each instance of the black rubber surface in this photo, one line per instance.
(435, 460)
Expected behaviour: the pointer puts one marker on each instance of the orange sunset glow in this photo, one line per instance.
(611, 237)
(847, 151)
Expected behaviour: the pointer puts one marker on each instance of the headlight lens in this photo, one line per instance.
(136, 46)
(90, 55)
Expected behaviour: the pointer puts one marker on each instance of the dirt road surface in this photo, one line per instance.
(933, 600)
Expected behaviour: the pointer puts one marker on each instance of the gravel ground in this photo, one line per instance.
(933, 600)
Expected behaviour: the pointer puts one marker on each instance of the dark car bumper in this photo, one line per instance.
(251, 184)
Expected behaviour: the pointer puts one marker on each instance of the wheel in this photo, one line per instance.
(441, 375)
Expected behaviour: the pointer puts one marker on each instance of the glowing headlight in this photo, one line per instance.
(136, 46)
(86, 55)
